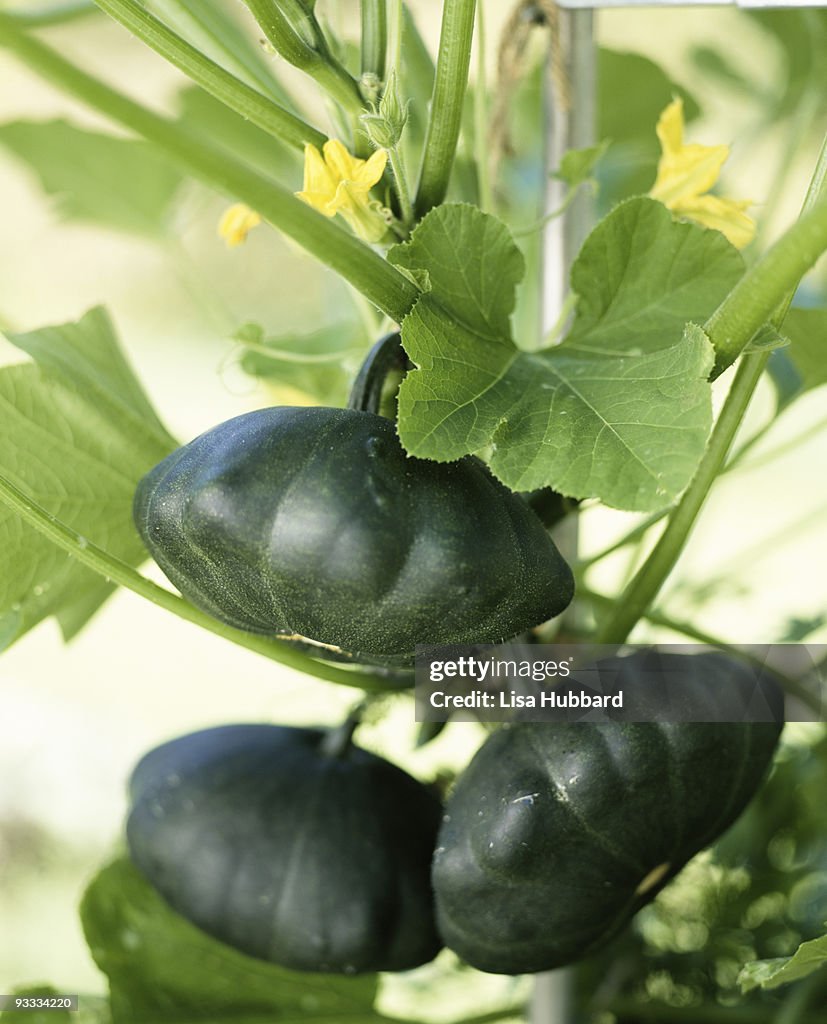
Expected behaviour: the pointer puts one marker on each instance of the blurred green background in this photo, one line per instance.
(75, 718)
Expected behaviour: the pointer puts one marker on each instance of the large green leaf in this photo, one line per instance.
(163, 970)
(124, 184)
(810, 956)
(621, 410)
(76, 433)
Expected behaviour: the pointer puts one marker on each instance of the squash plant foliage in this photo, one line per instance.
(273, 871)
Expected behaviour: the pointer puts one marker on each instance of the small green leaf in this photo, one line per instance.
(124, 184)
(164, 970)
(621, 410)
(810, 956)
(320, 365)
(472, 263)
(768, 339)
(76, 433)
(578, 165)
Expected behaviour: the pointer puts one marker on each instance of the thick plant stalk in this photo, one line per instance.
(374, 16)
(446, 104)
(293, 31)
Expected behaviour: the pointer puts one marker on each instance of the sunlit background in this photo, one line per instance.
(75, 718)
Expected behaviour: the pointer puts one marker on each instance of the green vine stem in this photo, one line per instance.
(116, 571)
(291, 28)
(481, 137)
(450, 83)
(374, 18)
(792, 686)
(242, 98)
(756, 297)
(215, 33)
(356, 262)
(400, 180)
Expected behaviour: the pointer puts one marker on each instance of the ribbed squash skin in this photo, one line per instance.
(557, 834)
(315, 522)
(311, 861)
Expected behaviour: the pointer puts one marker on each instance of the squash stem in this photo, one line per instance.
(337, 742)
(386, 356)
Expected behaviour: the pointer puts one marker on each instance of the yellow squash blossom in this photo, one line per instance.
(686, 173)
(236, 223)
(340, 183)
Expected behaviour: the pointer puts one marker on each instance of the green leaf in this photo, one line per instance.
(164, 970)
(124, 184)
(809, 957)
(88, 353)
(76, 433)
(641, 276)
(320, 365)
(621, 410)
(578, 165)
(472, 263)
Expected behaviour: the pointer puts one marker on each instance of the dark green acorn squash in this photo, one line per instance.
(315, 522)
(557, 834)
(313, 858)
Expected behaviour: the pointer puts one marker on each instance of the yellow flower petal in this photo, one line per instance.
(335, 181)
(317, 176)
(724, 215)
(342, 165)
(236, 223)
(372, 169)
(687, 172)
